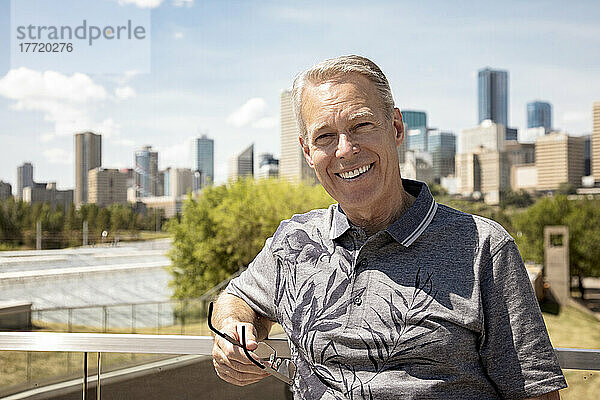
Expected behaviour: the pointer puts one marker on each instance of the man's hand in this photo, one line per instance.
(230, 361)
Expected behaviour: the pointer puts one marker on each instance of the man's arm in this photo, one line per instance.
(231, 364)
(548, 396)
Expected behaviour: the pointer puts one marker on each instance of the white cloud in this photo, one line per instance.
(24, 85)
(63, 100)
(142, 3)
(265, 123)
(183, 3)
(57, 155)
(253, 113)
(66, 101)
(176, 155)
(178, 35)
(124, 92)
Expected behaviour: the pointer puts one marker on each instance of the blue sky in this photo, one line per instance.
(218, 67)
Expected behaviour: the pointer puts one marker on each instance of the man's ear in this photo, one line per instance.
(399, 127)
(306, 152)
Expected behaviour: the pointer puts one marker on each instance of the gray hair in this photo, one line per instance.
(337, 67)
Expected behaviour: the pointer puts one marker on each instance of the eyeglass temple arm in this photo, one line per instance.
(216, 331)
(246, 350)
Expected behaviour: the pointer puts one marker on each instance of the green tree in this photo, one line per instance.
(227, 226)
(529, 225)
(583, 220)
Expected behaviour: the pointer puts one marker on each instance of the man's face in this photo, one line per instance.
(351, 144)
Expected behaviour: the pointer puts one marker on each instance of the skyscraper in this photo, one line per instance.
(442, 146)
(241, 164)
(415, 124)
(559, 159)
(596, 143)
(268, 166)
(204, 158)
(493, 96)
(106, 187)
(539, 114)
(24, 178)
(292, 165)
(88, 155)
(146, 172)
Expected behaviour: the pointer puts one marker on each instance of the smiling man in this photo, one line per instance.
(386, 294)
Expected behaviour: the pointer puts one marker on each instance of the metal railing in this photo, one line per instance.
(579, 359)
(87, 343)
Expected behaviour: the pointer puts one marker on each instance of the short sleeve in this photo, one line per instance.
(256, 285)
(515, 349)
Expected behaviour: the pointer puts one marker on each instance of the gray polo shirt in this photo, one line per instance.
(436, 306)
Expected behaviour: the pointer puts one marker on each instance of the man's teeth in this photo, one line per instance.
(355, 173)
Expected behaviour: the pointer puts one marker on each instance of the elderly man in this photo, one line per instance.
(386, 294)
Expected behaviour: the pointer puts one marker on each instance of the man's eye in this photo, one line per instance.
(324, 138)
(363, 125)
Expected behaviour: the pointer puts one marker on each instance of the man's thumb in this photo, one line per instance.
(250, 332)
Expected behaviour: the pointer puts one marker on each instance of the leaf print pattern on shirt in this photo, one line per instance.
(312, 298)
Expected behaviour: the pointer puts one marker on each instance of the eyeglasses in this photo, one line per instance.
(281, 368)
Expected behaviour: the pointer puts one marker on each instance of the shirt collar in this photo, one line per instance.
(406, 229)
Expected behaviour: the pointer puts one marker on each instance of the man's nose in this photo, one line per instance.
(346, 146)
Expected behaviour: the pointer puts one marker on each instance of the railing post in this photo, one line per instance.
(28, 367)
(98, 377)
(70, 324)
(133, 318)
(85, 375)
(104, 319)
(158, 310)
(38, 235)
(85, 233)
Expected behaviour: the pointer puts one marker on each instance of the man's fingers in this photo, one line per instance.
(244, 367)
(236, 377)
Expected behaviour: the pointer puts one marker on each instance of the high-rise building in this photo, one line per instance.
(268, 166)
(130, 172)
(24, 178)
(292, 165)
(242, 164)
(204, 158)
(530, 135)
(106, 187)
(415, 126)
(146, 172)
(48, 194)
(488, 135)
(587, 155)
(539, 114)
(493, 96)
(482, 164)
(5, 190)
(417, 166)
(178, 181)
(559, 159)
(483, 171)
(596, 143)
(442, 146)
(88, 155)
(520, 153)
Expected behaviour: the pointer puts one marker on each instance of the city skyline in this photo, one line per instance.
(220, 70)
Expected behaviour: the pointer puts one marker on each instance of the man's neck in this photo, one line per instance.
(373, 221)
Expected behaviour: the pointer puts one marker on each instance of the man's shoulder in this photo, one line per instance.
(309, 222)
(490, 233)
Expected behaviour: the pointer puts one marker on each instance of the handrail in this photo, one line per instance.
(118, 343)
(585, 359)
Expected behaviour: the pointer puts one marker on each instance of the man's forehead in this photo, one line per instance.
(332, 101)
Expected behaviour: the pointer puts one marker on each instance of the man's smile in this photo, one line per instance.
(355, 172)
